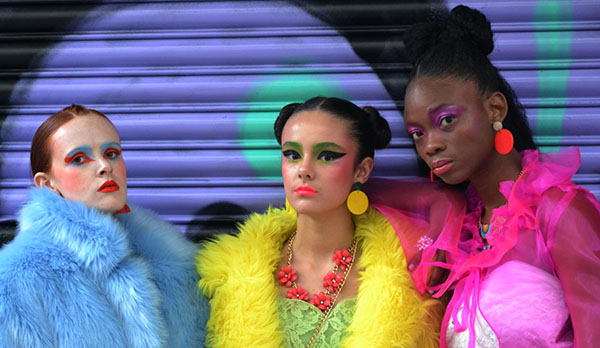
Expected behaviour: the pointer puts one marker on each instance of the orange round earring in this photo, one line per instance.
(503, 141)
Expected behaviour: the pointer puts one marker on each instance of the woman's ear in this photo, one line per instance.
(363, 170)
(497, 107)
(42, 179)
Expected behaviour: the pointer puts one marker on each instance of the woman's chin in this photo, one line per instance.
(110, 207)
(453, 178)
(451, 181)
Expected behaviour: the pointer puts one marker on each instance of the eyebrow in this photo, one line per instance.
(110, 144)
(293, 144)
(321, 146)
(86, 149)
(440, 106)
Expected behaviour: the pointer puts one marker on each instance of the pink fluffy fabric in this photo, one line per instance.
(542, 267)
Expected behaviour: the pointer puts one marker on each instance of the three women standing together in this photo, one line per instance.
(522, 256)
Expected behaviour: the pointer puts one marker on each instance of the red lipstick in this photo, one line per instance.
(109, 186)
(440, 167)
(305, 191)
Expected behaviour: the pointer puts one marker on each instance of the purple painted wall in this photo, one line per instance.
(194, 87)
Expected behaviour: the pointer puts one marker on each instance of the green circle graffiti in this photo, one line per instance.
(265, 99)
(553, 56)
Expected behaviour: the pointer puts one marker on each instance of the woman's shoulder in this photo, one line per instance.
(547, 184)
(375, 232)
(543, 172)
(568, 204)
(373, 221)
(245, 260)
(270, 225)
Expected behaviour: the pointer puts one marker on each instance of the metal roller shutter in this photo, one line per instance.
(194, 87)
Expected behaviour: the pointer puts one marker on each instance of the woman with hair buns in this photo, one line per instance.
(526, 271)
(327, 271)
(85, 269)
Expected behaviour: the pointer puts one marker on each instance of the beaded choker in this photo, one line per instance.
(484, 229)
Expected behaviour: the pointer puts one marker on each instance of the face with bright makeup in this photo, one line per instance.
(86, 164)
(319, 162)
(451, 125)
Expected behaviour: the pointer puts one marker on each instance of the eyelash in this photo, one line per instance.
(292, 155)
(72, 159)
(111, 150)
(334, 155)
(289, 154)
(446, 117)
(415, 135)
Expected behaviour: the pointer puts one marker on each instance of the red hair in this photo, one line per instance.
(40, 151)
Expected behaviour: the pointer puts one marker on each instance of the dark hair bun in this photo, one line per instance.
(473, 27)
(464, 24)
(379, 128)
(284, 115)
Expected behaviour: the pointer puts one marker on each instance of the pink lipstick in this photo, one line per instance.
(109, 186)
(440, 167)
(305, 191)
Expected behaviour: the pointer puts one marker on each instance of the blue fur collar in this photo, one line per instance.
(95, 239)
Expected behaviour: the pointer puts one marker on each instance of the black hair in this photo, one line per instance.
(367, 126)
(458, 46)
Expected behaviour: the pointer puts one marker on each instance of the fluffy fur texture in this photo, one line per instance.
(76, 277)
(237, 277)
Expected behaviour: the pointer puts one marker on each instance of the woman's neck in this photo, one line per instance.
(486, 181)
(318, 236)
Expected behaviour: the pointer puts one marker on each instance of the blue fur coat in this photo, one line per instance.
(74, 277)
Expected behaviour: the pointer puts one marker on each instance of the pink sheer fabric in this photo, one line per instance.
(525, 306)
(503, 294)
(548, 228)
(419, 211)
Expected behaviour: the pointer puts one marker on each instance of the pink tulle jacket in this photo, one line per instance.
(419, 211)
(539, 282)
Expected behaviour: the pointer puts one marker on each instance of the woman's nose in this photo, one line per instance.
(104, 167)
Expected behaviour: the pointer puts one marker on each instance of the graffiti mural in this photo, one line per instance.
(194, 87)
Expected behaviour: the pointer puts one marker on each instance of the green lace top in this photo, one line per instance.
(299, 319)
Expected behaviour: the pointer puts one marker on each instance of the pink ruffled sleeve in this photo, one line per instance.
(426, 217)
(571, 217)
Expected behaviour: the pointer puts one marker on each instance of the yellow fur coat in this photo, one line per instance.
(237, 277)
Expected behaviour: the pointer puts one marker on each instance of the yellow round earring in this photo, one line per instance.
(357, 201)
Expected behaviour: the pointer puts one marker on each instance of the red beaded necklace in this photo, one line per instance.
(333, 282)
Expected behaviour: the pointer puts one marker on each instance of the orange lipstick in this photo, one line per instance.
(304, 191)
